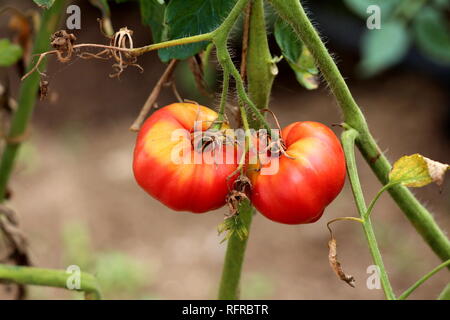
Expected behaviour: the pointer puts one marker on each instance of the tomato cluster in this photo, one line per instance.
(310, 172)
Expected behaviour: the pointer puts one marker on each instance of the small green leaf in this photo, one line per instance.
(188, 18)
(383, 48)
(297, 55)
(287, 40)
(432, 35)
(417, 171)
(9, 53)
(46, 4)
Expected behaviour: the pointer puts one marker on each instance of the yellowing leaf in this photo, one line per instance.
(417, 171)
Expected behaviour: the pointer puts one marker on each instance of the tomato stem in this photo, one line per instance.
(234, 257)
(51, 278)
(348, 142)
(410, 290)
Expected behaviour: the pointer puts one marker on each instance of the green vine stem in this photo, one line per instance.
(27, 97)
(234, 257)
(445, 294)
(348, 142)
(50, 278)
(292, 12)
(377, 196)
(410, 290)
(260, 73)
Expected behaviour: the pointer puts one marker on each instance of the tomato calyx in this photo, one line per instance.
(241, 188)
(273, 147)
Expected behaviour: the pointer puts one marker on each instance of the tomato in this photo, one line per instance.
(309, 176)
(182, 185)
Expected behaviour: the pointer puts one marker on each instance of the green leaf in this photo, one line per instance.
(297, 55)
(432, 35)
(359, 7)
(287, 40)
(188, 18)
(9, 53)
(383, 48)
(46, 4)
(305, 70)
(152, 13)
(417, 171)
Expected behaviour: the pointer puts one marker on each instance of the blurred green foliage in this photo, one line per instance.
(403, 23)
(9, 53)
(120, 276)
(257, 286)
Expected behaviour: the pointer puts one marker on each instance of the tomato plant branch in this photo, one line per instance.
(234, 256)
(292, 12)
(410, 290)
(377, 196)
(348, 142)
(226, 63)
(50, 278)
(223, 100)
(445, 294)
(260, 68)
(151, 100)
(27, 98)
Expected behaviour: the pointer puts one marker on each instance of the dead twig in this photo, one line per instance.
(151, 100)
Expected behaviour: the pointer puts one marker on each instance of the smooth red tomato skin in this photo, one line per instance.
(301, 189)
(190, 187)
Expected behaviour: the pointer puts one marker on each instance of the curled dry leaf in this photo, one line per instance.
(336, 265)
(417, 171)
(63, 42)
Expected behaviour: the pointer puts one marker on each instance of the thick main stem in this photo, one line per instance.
(50, 278)
(234, 257)
(292, 12)
(348, 141)
(27, 97)
(259, 66)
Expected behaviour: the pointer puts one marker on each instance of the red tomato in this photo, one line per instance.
(301, 188)
(189, 185)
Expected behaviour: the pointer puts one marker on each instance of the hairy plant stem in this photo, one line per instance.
(50, 278)
(260, 73)
(292, 12)
(234, 257)
(410, 290)
(232, 268)
(223, 98)
(348, 142)
(27, 97)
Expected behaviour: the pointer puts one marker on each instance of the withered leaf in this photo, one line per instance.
(336, 265)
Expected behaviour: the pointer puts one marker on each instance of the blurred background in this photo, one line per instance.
(74, 191)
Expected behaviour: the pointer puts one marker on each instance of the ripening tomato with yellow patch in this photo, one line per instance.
(310, 173)
(182, 171)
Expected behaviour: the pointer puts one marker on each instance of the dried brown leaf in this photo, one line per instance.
(336, 265)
